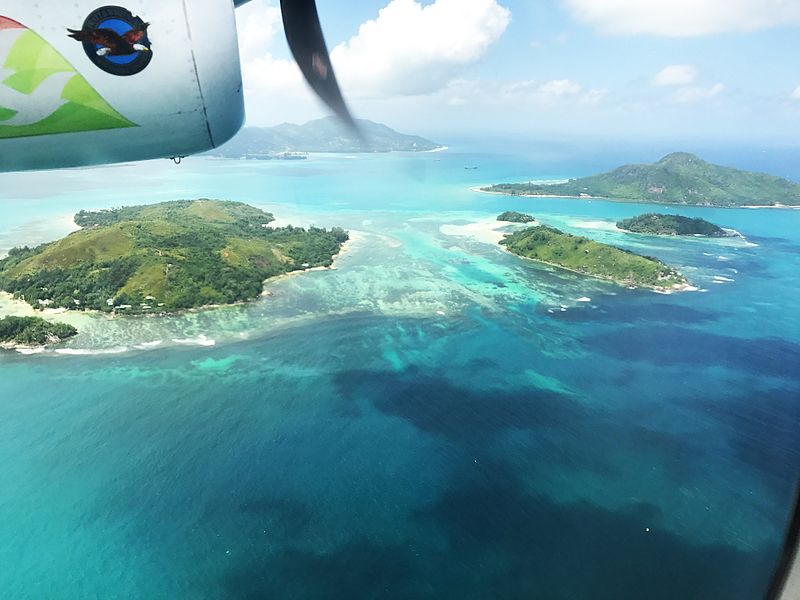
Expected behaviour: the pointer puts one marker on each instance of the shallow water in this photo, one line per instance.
(433, 418)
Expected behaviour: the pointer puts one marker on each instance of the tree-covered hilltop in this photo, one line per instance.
(513, 216)
(33, 331)
(659, 224)
(162, 257)
(678, 178)
(582, 255)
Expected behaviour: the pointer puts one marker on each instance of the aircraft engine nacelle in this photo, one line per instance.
(82, 83)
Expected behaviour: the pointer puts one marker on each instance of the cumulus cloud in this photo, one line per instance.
(796, 93)
(258, 24)
(411, 48)
(684, 78)
(683, 18)
(676, 75)
(691, 94)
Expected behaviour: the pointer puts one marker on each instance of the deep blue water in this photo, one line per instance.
(424, 422)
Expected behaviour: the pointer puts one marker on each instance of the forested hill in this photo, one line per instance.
(658, 224)
(161, 257)
(588, 257)
(678, 178)
(19, 332)
(321, 135)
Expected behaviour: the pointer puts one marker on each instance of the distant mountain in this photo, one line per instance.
(678, 178)
(321, 135)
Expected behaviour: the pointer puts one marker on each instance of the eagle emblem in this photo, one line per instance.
(115, 40)
(110, 43)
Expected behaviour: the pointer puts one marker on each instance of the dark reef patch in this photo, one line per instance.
(763, 432)
(488, 537)
(670, 346)
(512, 544)
(435, 405)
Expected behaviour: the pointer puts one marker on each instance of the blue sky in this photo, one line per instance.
(704, 69)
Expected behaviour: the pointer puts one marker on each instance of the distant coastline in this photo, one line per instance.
(326, 135)
(480, 190)
(678, 179)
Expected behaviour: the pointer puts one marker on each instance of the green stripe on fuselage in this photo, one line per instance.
(82, 108)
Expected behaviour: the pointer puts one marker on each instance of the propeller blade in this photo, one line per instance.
(304, 34)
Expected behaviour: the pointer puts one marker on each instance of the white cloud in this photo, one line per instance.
(683, 18)
(691, 94)
(411, 48)
(556, 91)
(594, 97)
(676, 75)
(558, 88)
(796, 93)
(258, 24)
(460, 92)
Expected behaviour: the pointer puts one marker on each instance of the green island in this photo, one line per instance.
(165, 257)
(581, 255)
(288, 141)
(678, 178)
(659, 224)
(17, 332)
(513, 216)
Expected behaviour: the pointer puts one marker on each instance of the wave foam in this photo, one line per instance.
(148, 345)
(27, 351)
(88, 352)
(200, 340)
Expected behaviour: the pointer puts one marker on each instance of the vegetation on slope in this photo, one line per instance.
(678, 178)
(33, 331)
(512, 216)
(320, 135)
(554, 247)
(161, 257)
(658, 224)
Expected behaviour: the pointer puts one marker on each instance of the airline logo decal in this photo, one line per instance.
(115, 40)
(41, 93)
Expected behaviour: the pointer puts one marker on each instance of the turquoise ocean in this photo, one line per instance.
(433, 418)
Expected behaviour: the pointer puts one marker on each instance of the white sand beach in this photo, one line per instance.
(489, 231)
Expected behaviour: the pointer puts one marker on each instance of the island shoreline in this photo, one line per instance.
(29, 310)
(687, 287)
(480, 190)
